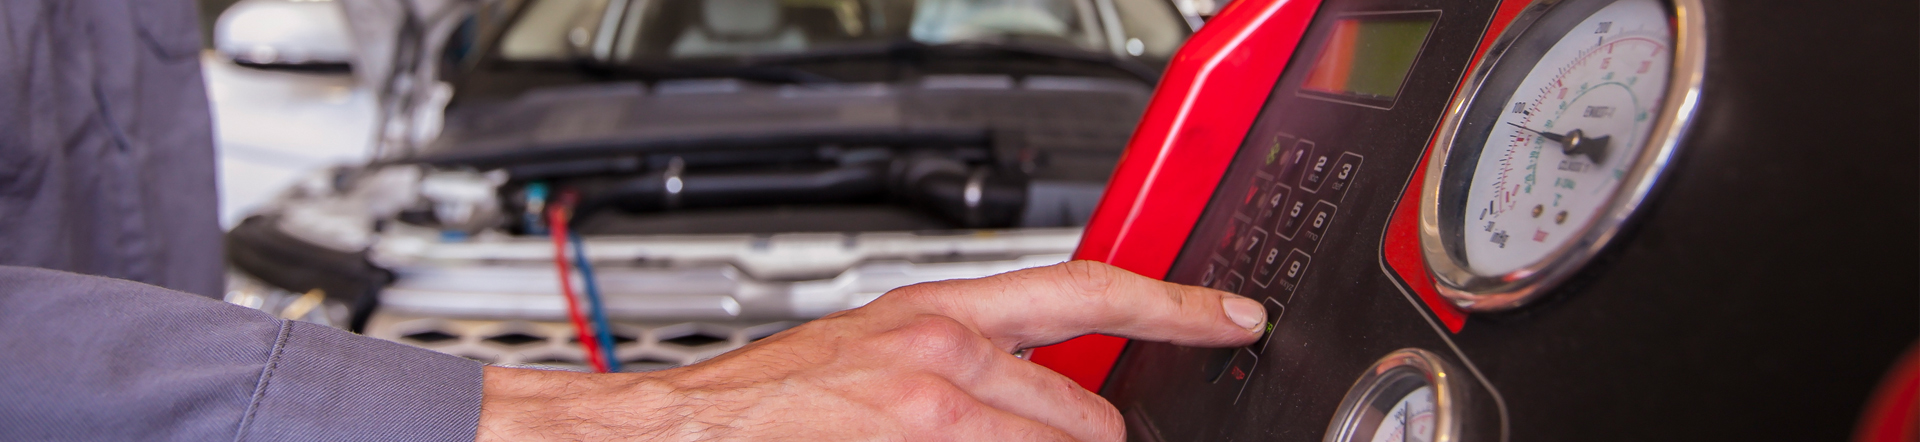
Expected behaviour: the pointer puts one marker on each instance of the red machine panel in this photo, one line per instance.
(1715, 242)
(1201, 111)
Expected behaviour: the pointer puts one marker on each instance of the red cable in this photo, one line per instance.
(557, 227)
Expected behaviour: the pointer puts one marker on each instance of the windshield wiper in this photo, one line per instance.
(669, 71)
(1132, 67)
(913, 50)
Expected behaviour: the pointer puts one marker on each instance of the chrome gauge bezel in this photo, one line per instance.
(1476, 292)
(1390, 371)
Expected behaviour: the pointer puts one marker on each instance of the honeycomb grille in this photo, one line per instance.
(640, 346)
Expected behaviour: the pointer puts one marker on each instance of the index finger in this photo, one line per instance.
(1046, 305)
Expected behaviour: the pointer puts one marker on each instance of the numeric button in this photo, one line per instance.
(1296, 160)
(1249, 245)
(1318, 167)
(1267, 265)
(1231, 283)
(1344, 171)
(1292, 216)
(1319, 219)
(1292, 269)
(1272, 201)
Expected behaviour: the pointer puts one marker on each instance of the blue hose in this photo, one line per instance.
(600, 325)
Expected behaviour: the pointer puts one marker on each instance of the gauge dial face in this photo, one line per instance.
(1401, 398)
(1566, 138)
(1410, 420)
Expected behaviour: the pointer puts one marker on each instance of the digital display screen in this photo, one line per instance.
(1365, 58)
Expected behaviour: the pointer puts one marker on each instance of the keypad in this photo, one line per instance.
(1286, 212)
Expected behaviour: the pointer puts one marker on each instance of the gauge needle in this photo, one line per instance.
(1576, 143)
(1403, 424)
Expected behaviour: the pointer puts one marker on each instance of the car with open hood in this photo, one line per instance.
(724, 168)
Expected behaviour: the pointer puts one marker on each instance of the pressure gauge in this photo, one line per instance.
(1404, 397)
(1554, 141)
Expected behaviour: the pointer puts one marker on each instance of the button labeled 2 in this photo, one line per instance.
(1318, 168)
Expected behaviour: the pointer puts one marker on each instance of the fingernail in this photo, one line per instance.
(1246, 313)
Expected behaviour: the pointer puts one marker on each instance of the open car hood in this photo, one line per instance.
(1063, 116)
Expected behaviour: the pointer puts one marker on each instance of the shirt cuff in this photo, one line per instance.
(327, 384)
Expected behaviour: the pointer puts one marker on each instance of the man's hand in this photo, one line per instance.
(926, 362)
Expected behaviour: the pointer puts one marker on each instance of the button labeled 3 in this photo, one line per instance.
(1344, 171)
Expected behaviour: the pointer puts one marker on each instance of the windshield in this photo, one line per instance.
(626, 31)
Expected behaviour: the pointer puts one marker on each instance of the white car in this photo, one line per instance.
(730, 166)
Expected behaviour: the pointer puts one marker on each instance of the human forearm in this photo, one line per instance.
(522, 404)
(928, 362)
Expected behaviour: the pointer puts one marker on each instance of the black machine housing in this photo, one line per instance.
(1761, 294)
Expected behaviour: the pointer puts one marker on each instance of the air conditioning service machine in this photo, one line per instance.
(1528, 220)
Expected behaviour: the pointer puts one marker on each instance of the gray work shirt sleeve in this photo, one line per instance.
(92, 358)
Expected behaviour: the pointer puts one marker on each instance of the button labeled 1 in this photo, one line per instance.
(1295, 161)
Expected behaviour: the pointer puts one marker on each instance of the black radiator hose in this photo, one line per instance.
(973, 198)
(968, 198)
(668, 190)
